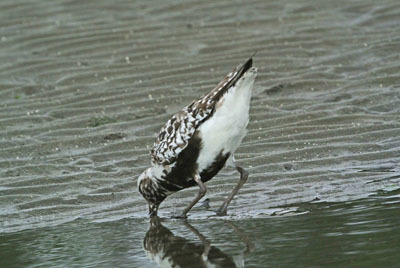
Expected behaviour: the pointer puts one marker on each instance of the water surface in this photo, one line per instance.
(86, 86)
(362, 233)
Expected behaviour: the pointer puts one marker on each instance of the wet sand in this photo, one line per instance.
(85, 88)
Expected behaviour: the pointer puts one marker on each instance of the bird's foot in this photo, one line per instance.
(221, 212)
(179, 216)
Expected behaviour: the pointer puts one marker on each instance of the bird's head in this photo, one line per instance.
(151, 190)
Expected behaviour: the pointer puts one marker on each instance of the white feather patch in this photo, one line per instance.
(226, 128)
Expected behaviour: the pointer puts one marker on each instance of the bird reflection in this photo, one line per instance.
(169, 250)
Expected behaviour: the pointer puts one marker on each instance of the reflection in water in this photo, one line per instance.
(169, 250)
(361, 233)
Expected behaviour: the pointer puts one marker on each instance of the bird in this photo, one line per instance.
(199, 140)
(170, 250)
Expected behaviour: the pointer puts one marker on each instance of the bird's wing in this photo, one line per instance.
(174, 136)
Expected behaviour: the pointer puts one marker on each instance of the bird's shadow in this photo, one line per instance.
(170, 250)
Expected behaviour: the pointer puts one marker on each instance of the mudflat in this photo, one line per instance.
(86, 86)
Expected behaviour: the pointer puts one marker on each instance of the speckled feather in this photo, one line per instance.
(175, 134)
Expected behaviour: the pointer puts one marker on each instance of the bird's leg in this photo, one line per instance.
(243, 178)
(249, 245)
(202, 192)
(206, 243)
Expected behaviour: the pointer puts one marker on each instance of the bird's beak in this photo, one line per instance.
(153, 210)
(153, 214)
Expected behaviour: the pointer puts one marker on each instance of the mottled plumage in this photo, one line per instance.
(176, 133)
(169, 250)
(197, 141)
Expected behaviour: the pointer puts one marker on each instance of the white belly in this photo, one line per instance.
(224, 131)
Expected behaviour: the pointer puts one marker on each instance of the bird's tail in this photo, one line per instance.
(231, 79)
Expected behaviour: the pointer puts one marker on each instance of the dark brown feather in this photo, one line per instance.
(174, 136)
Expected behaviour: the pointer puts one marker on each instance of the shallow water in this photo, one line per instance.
(86, 86)
(362, 233)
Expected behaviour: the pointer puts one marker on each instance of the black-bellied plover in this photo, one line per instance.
(197, 142)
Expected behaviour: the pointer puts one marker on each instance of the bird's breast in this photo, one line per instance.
(225, 129)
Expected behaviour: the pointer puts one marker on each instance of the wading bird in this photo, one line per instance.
(197, 142)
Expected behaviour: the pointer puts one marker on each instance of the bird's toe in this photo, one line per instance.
(179, 216)
(221, 212)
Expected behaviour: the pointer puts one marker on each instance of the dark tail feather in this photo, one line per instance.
(245, 67)
(248, 64)
(229, 81)
(242, 70)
